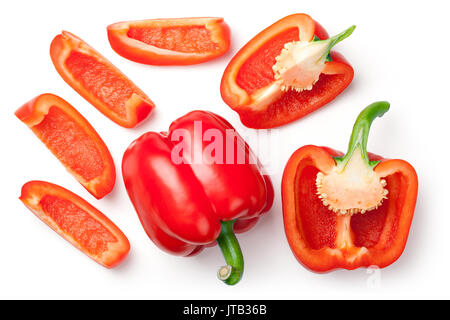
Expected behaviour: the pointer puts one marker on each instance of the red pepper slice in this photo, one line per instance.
(180, 41)
(77, 221)
(98, 81)
(71, 138)
(336, 229)
(189, 191)
(249, 85)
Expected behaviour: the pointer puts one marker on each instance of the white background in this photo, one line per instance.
(400, 53)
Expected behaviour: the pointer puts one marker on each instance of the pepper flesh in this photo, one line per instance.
(71, 138)
(180, 41)
(186, 197)
(250, 84)
(324, 240)
(77, 221)
(98, 81)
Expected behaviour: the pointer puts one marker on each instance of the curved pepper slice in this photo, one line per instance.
(71, 138)
(98, 81)
(348, 211)
(196, 184)
(285, 72)
(77, 221)
(180, 41)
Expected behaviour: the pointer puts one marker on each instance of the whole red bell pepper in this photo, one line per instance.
(285, 72)
(180, 41)
(348, 211)
(195, 185)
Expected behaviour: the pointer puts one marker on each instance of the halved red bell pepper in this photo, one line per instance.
(180, 41)
(285, 72)
(195, 185)
(348, 211)
(77, 221)
(71, 138)
(99, 81)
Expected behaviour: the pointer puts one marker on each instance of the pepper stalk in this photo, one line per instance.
(229, 245)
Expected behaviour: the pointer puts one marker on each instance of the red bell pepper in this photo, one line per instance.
(179, 41)
(70, 137)
(98, 81)
(285, 72)
(348, 211)
(192, 193)
(77, 221)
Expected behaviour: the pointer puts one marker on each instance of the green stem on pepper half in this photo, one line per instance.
(353, 186)
(300, 63)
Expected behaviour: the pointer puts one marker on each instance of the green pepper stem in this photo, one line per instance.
(229, 245)
(341, 36)
(336, 39)
(361, 130)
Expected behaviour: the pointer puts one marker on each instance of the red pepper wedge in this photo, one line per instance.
(180, 41)
(348, 211)
(98, 81)
(71, 138)
(77, 221)
(267, 89)
(189, 195)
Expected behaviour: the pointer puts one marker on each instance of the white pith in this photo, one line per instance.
(299, 65)
(353, 188)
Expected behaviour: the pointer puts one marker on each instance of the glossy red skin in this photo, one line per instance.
(181, 205)
(392, 239)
